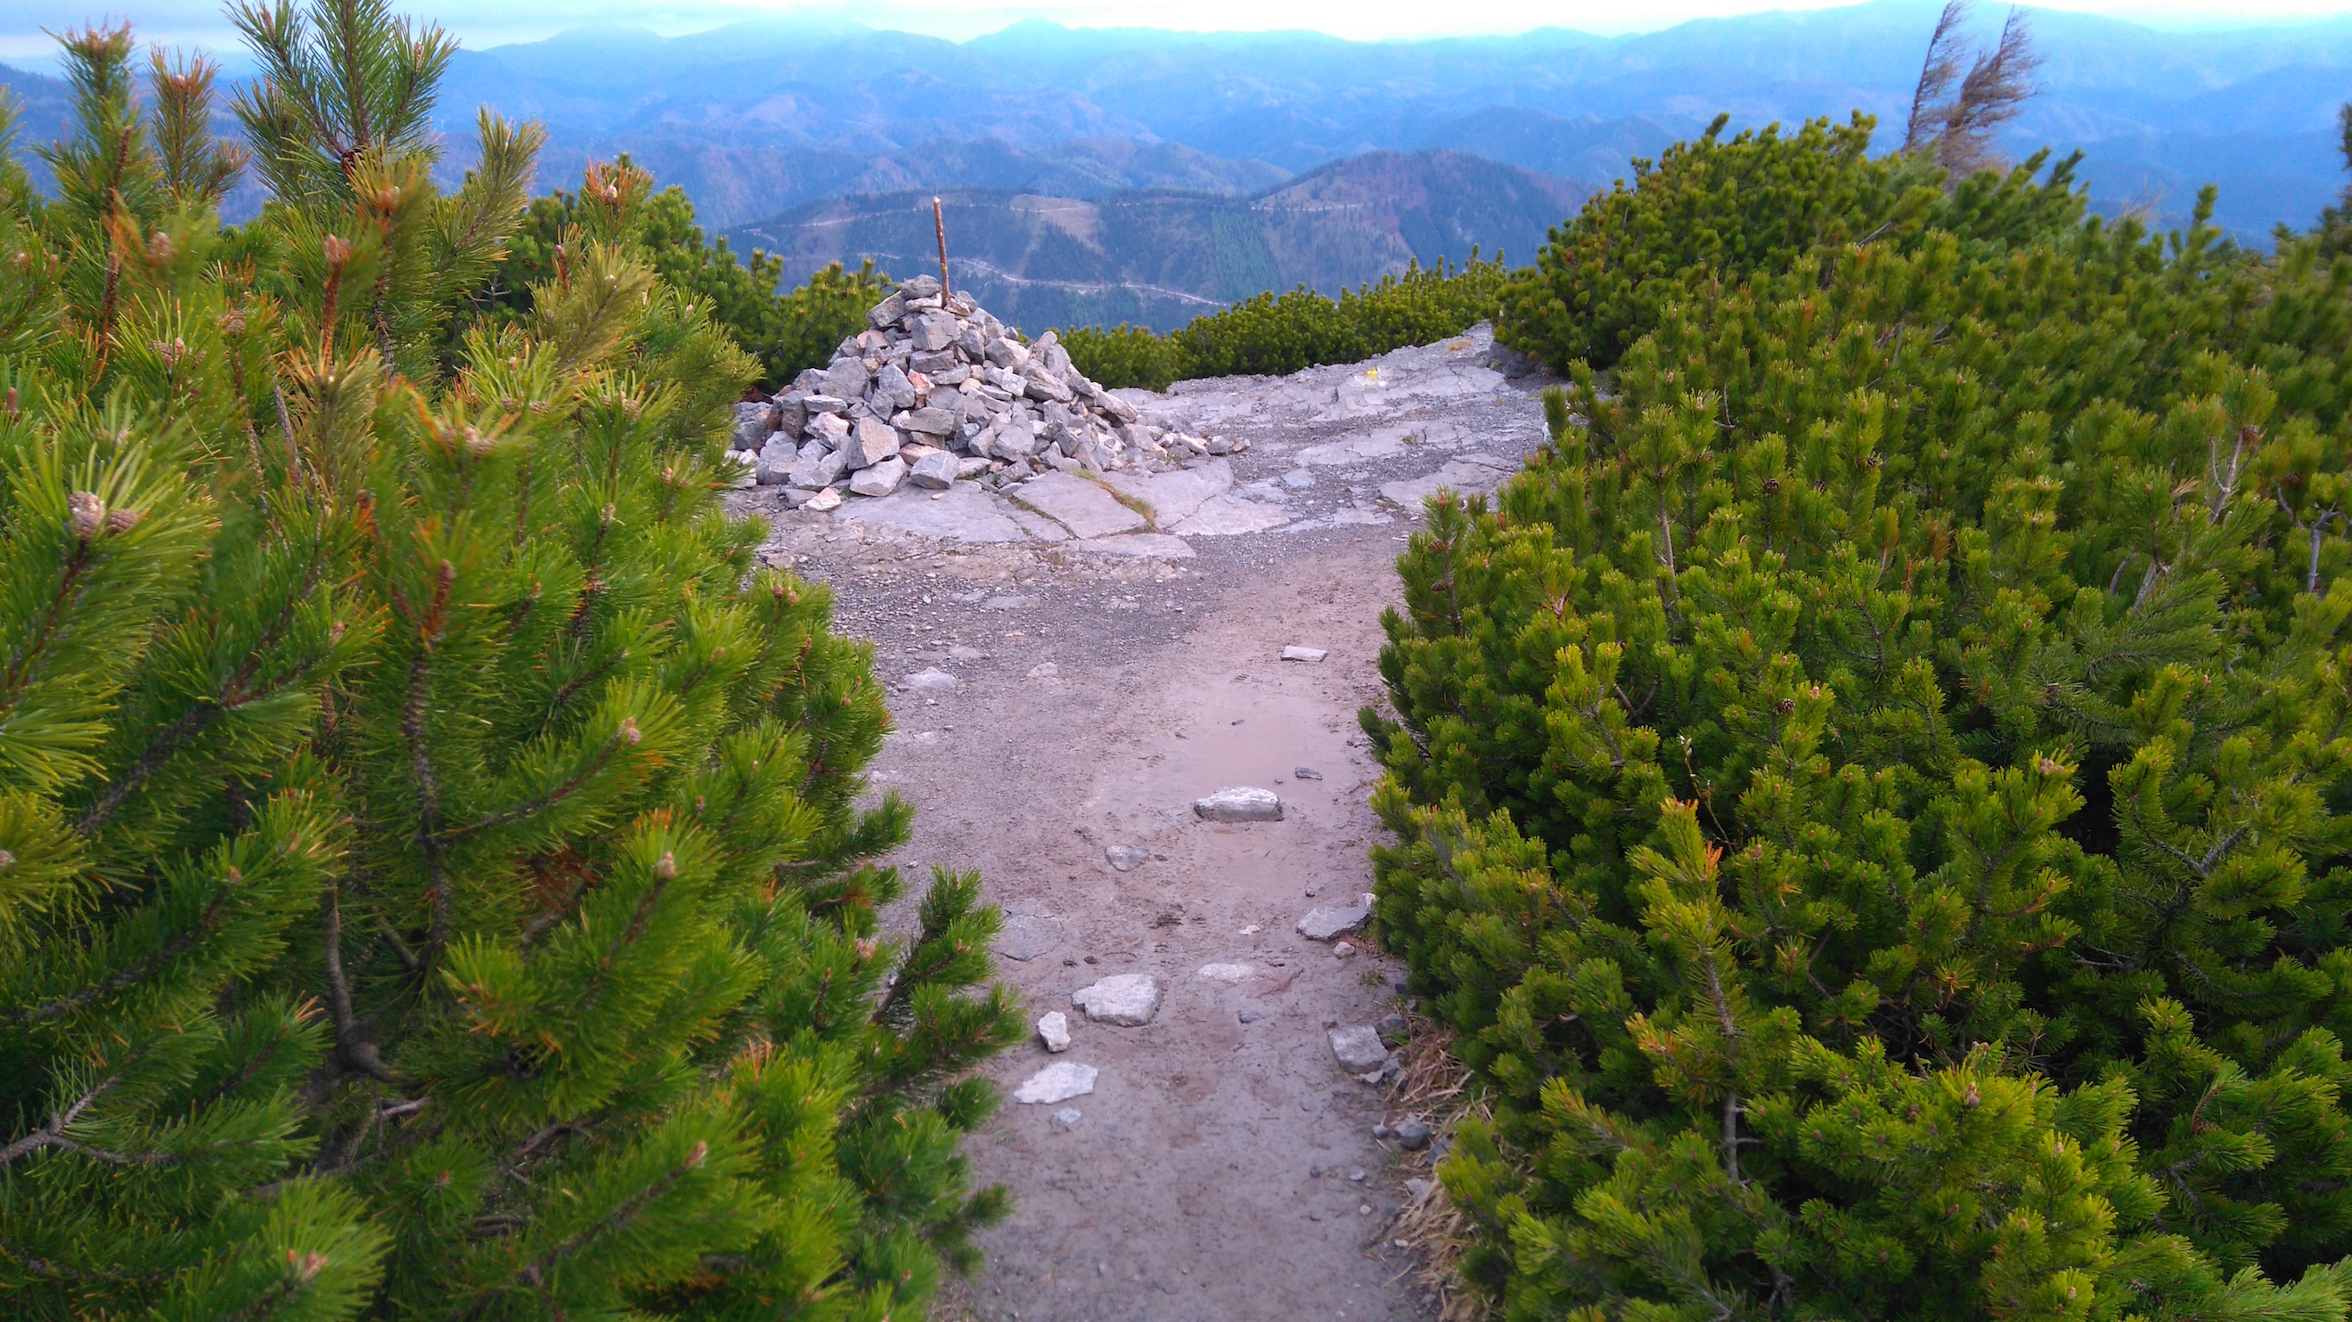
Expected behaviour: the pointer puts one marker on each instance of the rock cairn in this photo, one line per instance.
(937, 391)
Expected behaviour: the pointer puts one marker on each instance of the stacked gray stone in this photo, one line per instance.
(934, 391)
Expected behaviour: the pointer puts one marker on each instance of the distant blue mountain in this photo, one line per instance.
(2157, 112)
(760, 117)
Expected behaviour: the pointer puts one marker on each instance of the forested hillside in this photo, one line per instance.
(1161, 258)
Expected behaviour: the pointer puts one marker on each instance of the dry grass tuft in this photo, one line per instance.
(953, 1303)
(1436, 1087)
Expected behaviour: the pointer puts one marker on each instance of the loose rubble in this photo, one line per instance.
(1126, 999)
(936, 391)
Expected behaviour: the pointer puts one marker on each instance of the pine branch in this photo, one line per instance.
(138, 972)
(354, 1048)
(534, 1273)
(63, 1271)
(52, 1134)
(420, 759)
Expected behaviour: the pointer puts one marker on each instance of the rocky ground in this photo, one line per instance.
(1075, 666)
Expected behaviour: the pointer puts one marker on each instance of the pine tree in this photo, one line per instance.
(435, 877)
(1870, 795)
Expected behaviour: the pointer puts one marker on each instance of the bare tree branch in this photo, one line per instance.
(1954, 115)
(1997, 86)
(1929, 106)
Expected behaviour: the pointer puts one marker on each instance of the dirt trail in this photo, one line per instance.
(1212, 1173)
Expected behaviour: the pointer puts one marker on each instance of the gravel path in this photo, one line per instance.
(1223, 1167)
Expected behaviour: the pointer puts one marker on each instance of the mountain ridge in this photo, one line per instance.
(1160, 257)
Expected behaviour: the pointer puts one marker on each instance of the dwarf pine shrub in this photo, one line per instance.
(1274, 335)
(1871, 796)
(435, 876)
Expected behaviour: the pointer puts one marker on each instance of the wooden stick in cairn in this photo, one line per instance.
(939, 222)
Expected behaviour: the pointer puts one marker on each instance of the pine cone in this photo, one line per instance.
(85, 514)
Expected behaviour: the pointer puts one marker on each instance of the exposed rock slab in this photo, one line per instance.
(1230, 515)
(1174, 497)
(963, 514)
(1083, 507)
(1139, 544)
(1466, 475)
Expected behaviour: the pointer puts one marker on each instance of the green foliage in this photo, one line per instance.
(436, 872)
(1129, 356)
(341, 125)
(786, 332)
(1272, 335)
(1710, 209)
(809, 324)
(1871, 796)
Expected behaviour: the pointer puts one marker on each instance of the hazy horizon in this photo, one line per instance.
(489, 24)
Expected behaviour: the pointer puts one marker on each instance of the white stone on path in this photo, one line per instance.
(1358, 1048)
(1328, 922)
(1061, 1081)
(828, 499)
(1127, 999)
(1226, 972)
(1053, 1028)
(931, 680)
(1239, 803)
(1308, 654)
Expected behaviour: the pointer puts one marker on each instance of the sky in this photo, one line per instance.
(484, 23)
